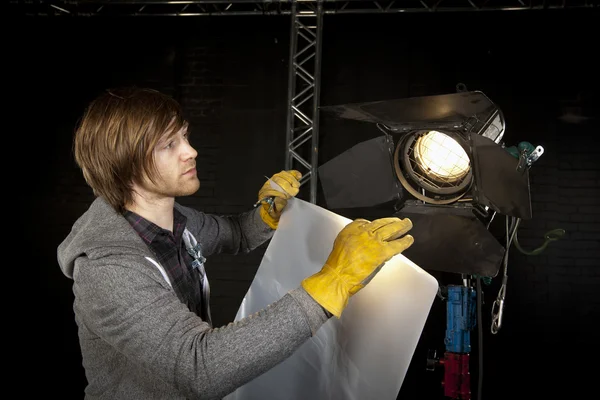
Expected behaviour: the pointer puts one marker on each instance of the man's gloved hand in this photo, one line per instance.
(289, 181)
(359, 252)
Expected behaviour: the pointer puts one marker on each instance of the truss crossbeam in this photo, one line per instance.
(183, 8)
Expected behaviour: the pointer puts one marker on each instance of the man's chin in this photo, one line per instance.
(189, 189)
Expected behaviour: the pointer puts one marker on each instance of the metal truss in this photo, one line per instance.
(150, 8)
(304, 86)
(184, 8)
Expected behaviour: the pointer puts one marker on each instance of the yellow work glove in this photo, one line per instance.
(289, 181)
(359, 252)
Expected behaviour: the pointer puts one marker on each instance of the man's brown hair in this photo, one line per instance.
(116, 136)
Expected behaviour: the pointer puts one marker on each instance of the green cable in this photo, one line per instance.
(550, 236)
(486, 279)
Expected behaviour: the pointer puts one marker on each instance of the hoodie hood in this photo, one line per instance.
(99, 232)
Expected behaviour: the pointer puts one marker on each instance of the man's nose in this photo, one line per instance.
(189, 151)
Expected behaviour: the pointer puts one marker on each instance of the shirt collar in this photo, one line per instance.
(148, 230)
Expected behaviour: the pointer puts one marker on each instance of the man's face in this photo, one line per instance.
(175, 161)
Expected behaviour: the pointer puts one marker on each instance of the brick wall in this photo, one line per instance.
(551, 296)
(232, 85)
(566, 194)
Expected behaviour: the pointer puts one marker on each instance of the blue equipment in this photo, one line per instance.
(460, 318)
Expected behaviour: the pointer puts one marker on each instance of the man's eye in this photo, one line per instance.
(168, 146)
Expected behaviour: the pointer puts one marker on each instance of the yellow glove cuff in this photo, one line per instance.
(329, 290)
(269, 220)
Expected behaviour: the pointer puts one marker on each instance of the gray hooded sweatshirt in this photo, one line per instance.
(139, 341)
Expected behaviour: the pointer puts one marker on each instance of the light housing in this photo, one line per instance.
(442, 159)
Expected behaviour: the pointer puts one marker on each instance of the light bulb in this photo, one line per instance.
(441, 157)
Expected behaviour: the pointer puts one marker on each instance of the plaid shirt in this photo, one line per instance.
(169, 248)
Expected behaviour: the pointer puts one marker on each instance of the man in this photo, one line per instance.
(136, 259)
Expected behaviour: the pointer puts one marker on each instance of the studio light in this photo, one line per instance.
(441, 162)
